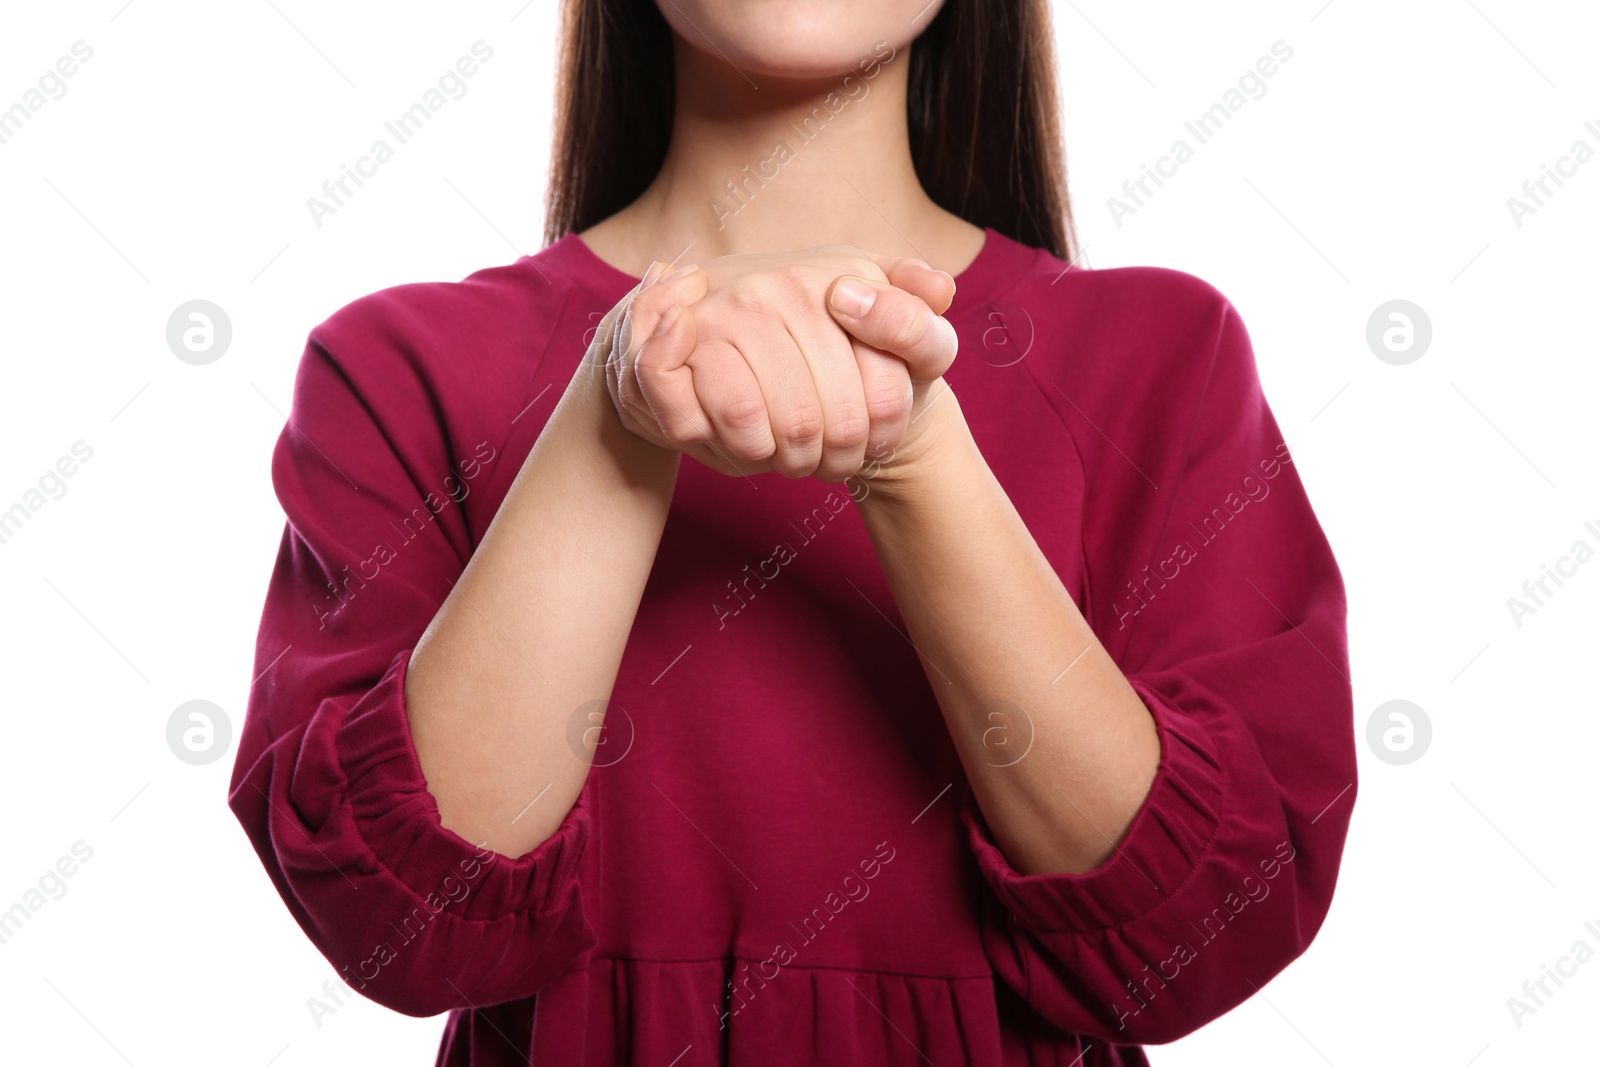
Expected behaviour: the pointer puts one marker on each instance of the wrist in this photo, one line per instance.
(591, 402)
(935, 443)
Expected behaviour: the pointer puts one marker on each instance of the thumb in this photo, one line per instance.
(936, 288)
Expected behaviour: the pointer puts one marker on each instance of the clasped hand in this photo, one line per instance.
(807, 363)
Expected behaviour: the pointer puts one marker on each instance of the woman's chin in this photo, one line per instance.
(796, 40)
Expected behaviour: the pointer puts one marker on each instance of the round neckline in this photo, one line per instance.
(975, 282)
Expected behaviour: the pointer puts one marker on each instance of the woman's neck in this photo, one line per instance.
(759, 164)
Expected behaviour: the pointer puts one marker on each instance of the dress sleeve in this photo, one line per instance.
(326, 782)
(1227, 616)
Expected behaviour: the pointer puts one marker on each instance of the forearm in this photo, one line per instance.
(1014, 666)
(536, 625)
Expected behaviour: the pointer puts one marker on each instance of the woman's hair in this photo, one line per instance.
(981, 107)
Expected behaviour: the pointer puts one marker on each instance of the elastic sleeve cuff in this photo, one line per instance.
(1170, 833)
(398, 818)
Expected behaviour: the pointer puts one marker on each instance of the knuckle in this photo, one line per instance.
(904, 325)
(802, 427)
(744, 412)
(747, 296)
(889, 403)
(946, 343)
(647, 362)
(794, 284)
(683, 432)
(847, 431)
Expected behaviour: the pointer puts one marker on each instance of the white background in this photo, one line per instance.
(1377, 166)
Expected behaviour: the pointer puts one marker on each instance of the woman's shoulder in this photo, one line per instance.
(1158, 298)
(1141, 319)
(452, 361)
(1119, 335)
(505, 311)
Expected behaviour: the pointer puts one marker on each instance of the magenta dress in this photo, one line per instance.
(777, 858)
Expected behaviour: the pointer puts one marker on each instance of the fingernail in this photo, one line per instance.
(652, 274)
(924, 264)
(853, 298)
(668, 319)
(680, 272)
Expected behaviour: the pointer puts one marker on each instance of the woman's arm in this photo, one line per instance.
(1059, 749)
(535, 627)
(1223, 872)
(328, 782)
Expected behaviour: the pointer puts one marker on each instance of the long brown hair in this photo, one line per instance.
(981, 108)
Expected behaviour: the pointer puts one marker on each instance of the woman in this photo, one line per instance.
(982, 711)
